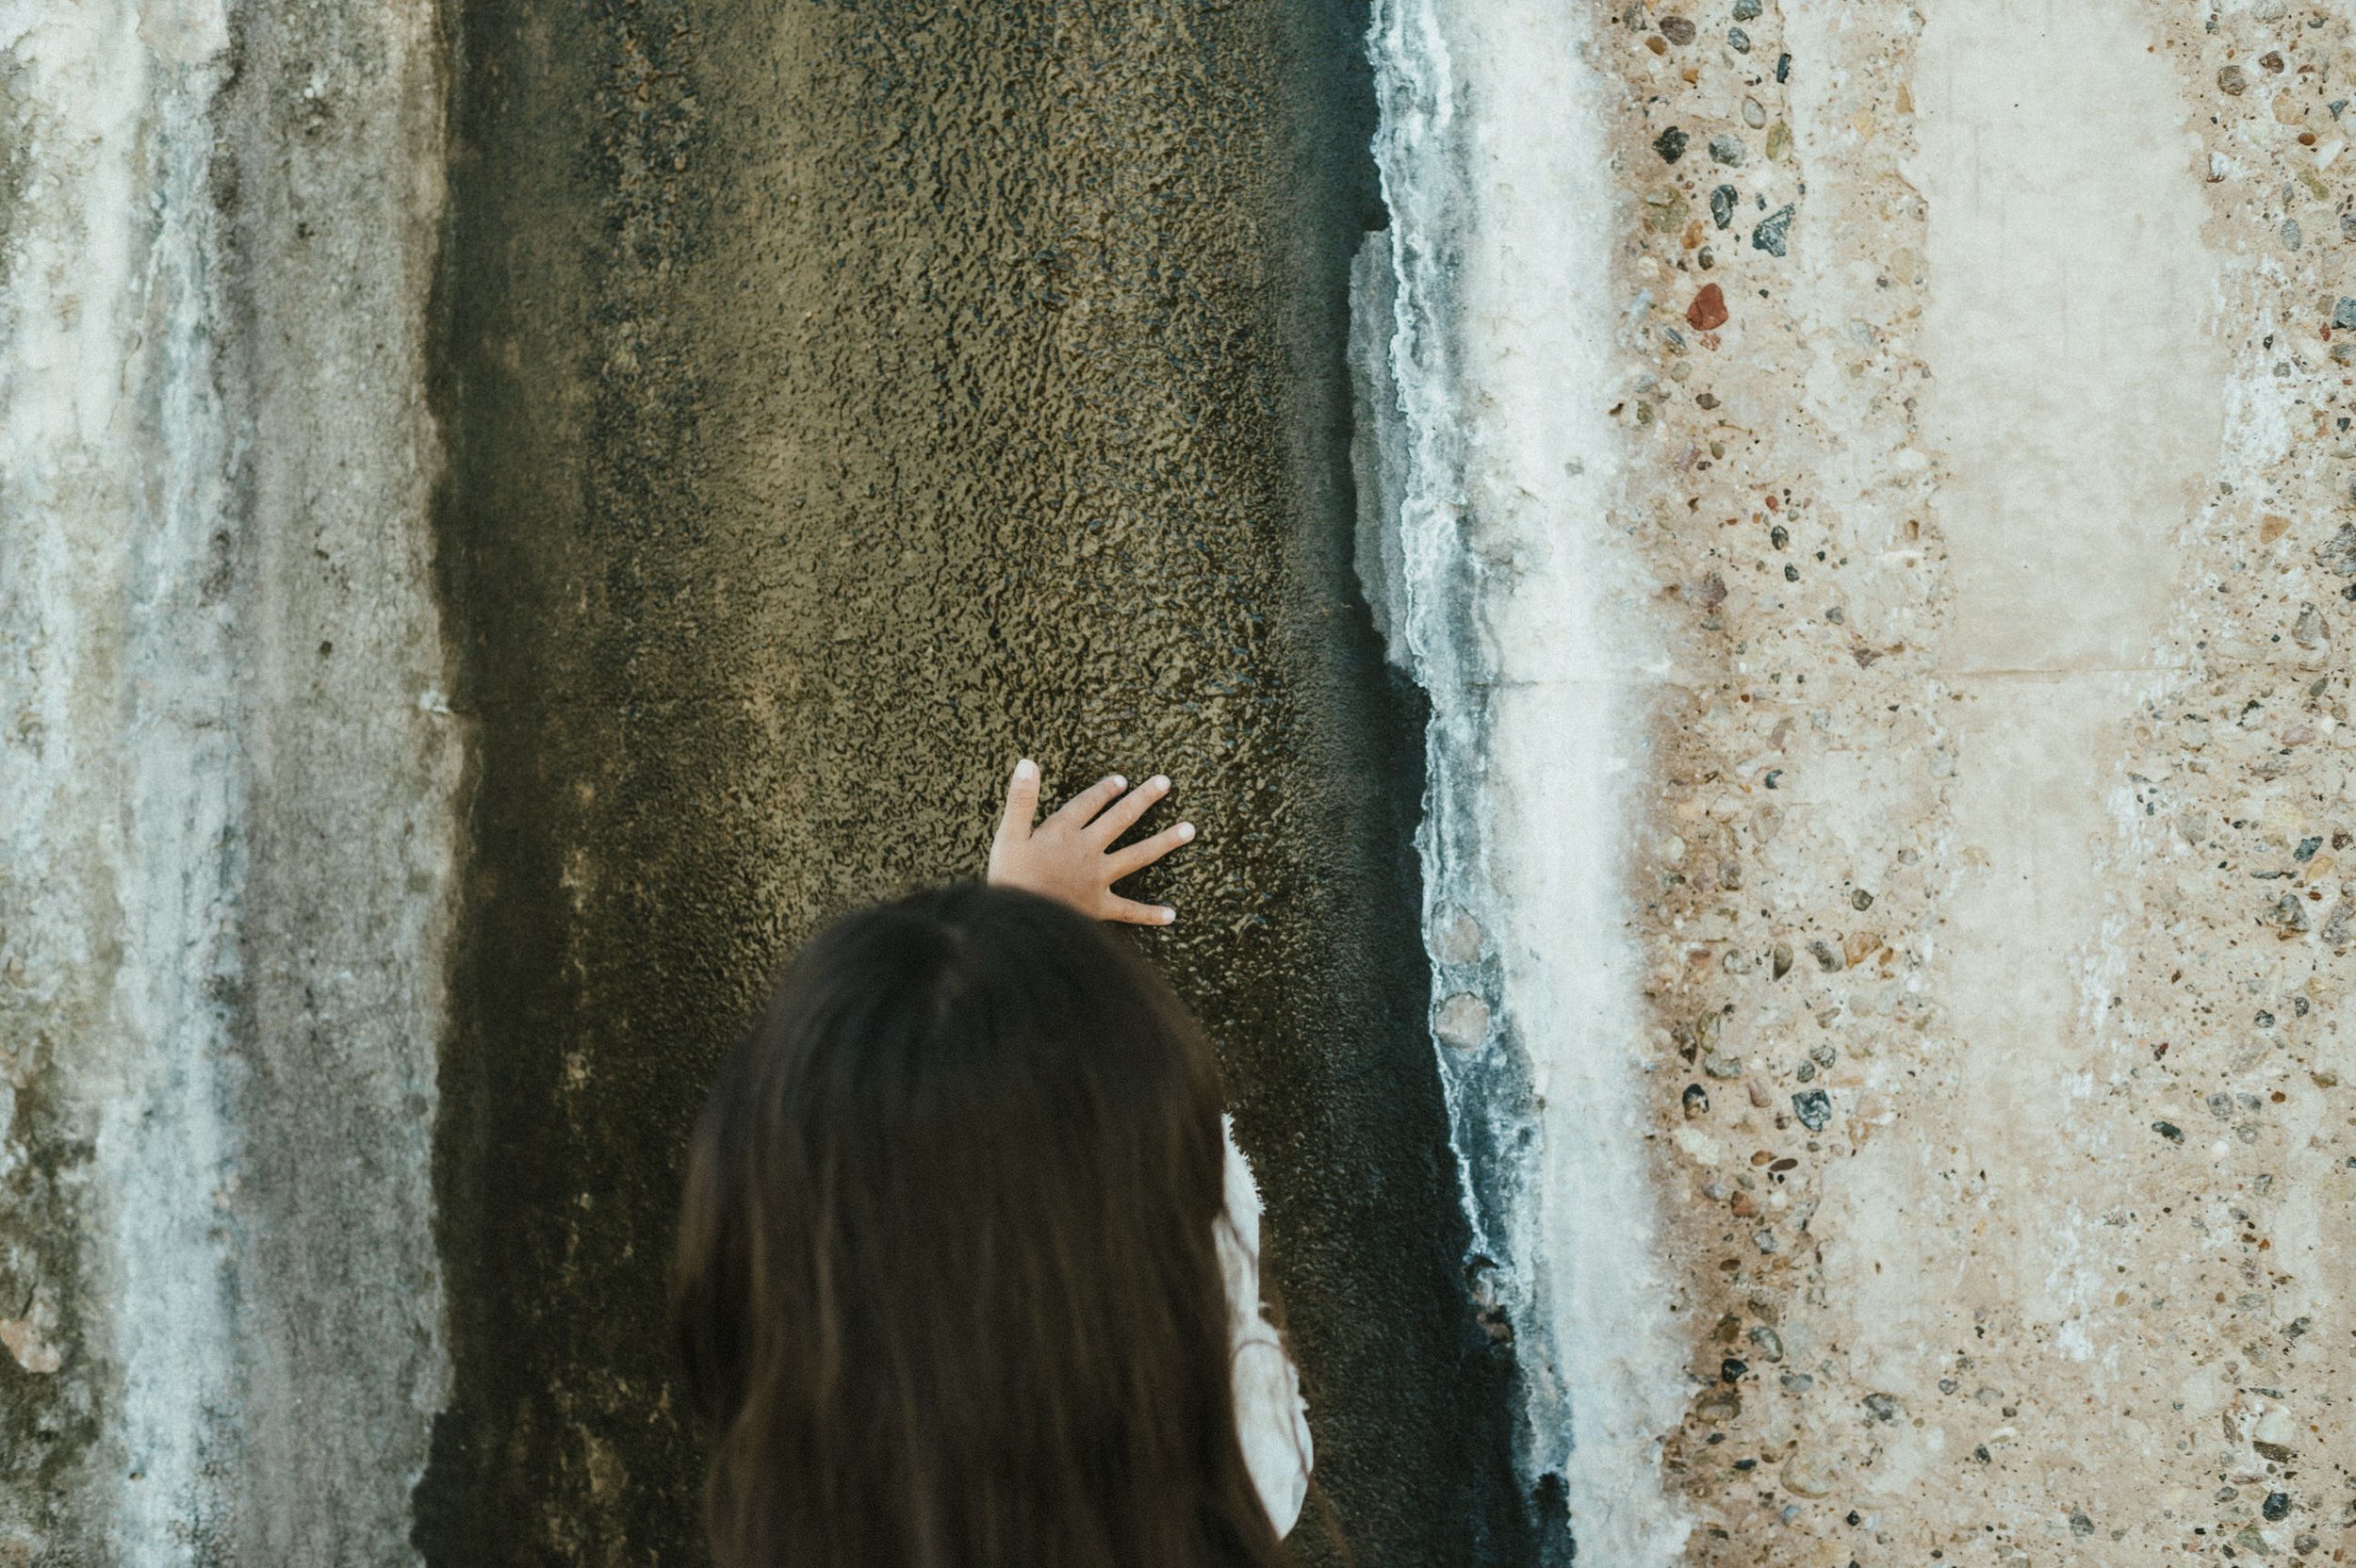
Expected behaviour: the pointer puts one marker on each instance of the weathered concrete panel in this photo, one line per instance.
(845, 399)
(1864, 494)
(1945, 636)
(228, 783)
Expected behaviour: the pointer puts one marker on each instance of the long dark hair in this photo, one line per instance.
(946, 1287)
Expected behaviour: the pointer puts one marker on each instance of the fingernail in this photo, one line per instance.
(1169, 914)
(1118, 782)
(1026, 769)
(1186, 830)
(1158, 782)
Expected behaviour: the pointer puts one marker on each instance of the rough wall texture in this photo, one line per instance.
(1974, 553)
(227, 787)
(1864, 492)
(845, 399)
(839, 400)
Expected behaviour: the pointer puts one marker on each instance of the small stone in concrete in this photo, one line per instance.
(2343, 313)
(2277, 1505)
(1737, 40)
(2169, 1131)
(2339, 556)
(2233, 81)
(1696, 1101)
(1706, 314)
(1746, 10)
(24, 1342)
(1722, 205)
(1670, 144)
(1768, 1343)
(1676, 29)
(1463, 1021)
(1813, 1107)
(1726, 149)
(1457, 938)
(1773, 230)
(2288, 916)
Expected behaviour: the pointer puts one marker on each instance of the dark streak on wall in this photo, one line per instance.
(842, 400)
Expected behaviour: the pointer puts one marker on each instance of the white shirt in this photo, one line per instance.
(1272, 1418)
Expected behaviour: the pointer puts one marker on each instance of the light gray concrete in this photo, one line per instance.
(229, 790)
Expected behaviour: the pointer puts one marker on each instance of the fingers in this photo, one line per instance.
(1014, 824)
(1130, 912)
(1122, 815)
(1077, 811)
(1146, 851)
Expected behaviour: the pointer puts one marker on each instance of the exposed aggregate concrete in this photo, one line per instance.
(1992, 888)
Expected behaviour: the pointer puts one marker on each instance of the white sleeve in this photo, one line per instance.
(1272, 1418)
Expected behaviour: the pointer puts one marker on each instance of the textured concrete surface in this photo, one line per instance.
(227, 785)
(846, 401)
(1856, 505)
(1974, 548)
(837, 402)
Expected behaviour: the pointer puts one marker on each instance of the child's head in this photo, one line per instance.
(947, 1285)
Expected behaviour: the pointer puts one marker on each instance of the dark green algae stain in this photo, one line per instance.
(841, 402)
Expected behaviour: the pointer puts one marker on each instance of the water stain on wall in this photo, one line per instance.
(844, 401)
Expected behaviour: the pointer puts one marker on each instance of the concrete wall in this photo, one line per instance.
(514, 515)
(1748, 597)
(228, 781)
(843, 401)
(1875, 502)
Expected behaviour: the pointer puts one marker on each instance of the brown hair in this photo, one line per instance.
(946, 1285)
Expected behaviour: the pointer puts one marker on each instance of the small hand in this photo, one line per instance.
(1070, 856)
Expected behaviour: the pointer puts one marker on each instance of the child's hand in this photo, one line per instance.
(1070, 856)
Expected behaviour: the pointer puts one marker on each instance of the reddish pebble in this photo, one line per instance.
(1708, 309)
